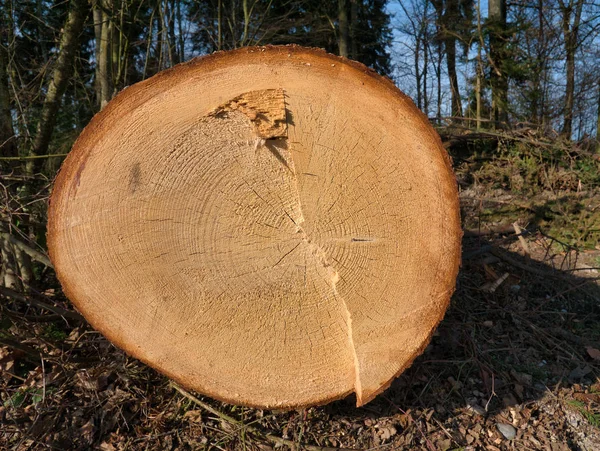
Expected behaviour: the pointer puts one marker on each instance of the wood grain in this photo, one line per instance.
(273, 227)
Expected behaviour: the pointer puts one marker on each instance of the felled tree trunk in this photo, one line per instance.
(271, 226)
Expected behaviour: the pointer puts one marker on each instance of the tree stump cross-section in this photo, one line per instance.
(274, 227)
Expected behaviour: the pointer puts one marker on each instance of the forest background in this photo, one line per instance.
(513, 88)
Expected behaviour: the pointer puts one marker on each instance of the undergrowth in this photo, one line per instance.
(528, 169)
(554, 189)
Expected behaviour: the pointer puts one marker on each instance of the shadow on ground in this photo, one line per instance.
(514, 365)
(518, 347)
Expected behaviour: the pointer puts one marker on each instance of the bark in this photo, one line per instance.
(246, 22)
(499, 80)
(343, 34)
(25, 267)
(425, 72)
(478, 95)
(8, 143)
(219, 25)
(418, 70)
(479, 75)
(22, 247)
(598, 122)
(103, 58)
(450, 44)
(537, 102)
(181, 52)
(9, 265)
(172, 37)
(571, 36)
(438, 74)
(97, 15)
(353, 30)
(425, 41)
(61, 74)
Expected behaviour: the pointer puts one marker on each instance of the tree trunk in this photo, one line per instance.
(450, 45)
(537, 101)
(104, 57)
(354, 37)
(598, 122)
(97, 15)
(180, 37)
(418, 70)
(172, 36)
(261, 262)
(61, 75)
(219, 25)
(571, 36)
(425, 74)
(438, 74)
(479, 74)
(8, 141)
(343, 28)
(10, 269)
(499, 80)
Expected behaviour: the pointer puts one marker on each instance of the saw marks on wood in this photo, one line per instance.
(245, 226)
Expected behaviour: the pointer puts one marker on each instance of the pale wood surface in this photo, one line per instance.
(273, 227)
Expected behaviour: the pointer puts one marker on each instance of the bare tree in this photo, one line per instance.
(454, 18)
(598, 122)
(343, 32)
(103, 29)
(499, 80)
(8, 146)
(571, 20)
(417, 27)
(63, 68)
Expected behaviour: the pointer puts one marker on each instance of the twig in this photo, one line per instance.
(493, 286)
(470, 255)
(36, 255)
(52, 308)
(511, 261)
(28, 350)
(583, 268)
(34, 157)
(489, 134)
(239, 424)
(519, 233)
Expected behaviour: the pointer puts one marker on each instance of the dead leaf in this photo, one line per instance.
(386, 432)
(87, 432)
(593, 352)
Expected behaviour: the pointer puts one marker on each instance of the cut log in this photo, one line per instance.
(272, 227)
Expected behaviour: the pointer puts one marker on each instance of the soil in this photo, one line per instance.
(514, 365)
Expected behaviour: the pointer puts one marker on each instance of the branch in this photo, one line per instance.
(7, 292)
(240, 425)
(34, 157)
(36, 255)
(60, 79)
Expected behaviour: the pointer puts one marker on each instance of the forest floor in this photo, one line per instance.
(515, 364)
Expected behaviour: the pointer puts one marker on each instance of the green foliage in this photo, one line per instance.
(24, 397)
(310, 23)
(528, 169)
(571, 221)
(54, 333)
(592, 417)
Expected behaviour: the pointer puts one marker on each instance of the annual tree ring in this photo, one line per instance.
(272, 227)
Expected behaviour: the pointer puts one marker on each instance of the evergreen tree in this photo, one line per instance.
(312, 23)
